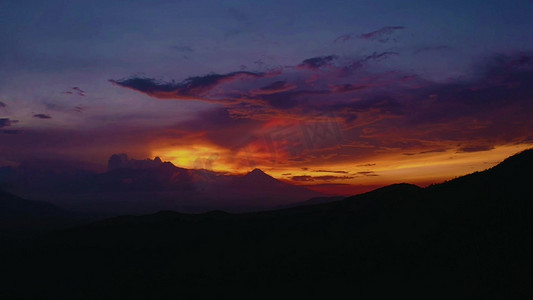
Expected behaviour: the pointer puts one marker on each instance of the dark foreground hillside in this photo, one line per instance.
(22, 219)
(469, 238)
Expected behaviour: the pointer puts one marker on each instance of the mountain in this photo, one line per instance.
(257, 176)
(131, 186)
(12, 206)
(259, 191)
(468, 238)
(20, 217)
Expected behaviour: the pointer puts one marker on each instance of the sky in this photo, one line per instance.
(340, 96)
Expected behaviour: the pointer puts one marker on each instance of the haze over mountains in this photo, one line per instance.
(147, 186)
(469, 238)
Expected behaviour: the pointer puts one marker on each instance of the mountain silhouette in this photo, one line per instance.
(258, 175)
(259, 191)
(131, 186)
(12, 206)
(467, 238)
(20, 217)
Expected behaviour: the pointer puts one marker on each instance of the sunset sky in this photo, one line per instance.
(338, 95)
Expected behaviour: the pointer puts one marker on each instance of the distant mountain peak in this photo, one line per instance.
(257, 173)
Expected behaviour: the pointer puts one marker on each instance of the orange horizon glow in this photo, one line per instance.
(358, 175)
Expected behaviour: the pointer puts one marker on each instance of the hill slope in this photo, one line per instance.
(12, 206)
(21, 217)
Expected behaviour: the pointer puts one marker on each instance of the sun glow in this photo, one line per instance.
(420, 169)
(195, 157)
(383, 169)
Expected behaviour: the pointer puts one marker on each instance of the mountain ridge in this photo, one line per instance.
(152, 185)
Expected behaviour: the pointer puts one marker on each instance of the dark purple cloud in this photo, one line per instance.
(346, 88)
(290, 99)
(318, 62)
(343, 38)
(287, 90)
(359, 63)
(75, 90)
(79, 91)
(196, 87)
(11, 131)
(2, 104)
(5, 122)
(276, 86)
(42, 116)
(381, 35)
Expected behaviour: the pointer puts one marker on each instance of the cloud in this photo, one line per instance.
(283, 91)
(2, 104)
(5, 122)
(366, 165)
(475, 148)
(440, 150)
(75, 91)
(79, 91)
(288, 99)
(359, 63)
(275, 87)
(375, 112)
(343, 38)
(11, 131)
(307, 178)
(330, 171)
(367, 173)
(371, 109)
(381, 35)
(331, 177)
(318, 62)
(345, 88)
(42, 116)
(302, 178)
(192, 88)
